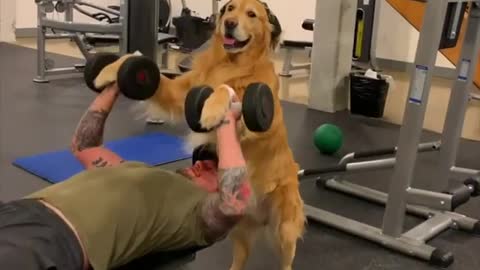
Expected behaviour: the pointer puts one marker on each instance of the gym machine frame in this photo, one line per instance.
(129, 41)
(288, 65)
(436, 207)
(70, 30)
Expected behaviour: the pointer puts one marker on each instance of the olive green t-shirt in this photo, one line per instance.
(125, 212)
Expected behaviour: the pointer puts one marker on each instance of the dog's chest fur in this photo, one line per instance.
(260, 210)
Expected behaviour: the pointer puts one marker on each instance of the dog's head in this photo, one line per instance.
(244, 24)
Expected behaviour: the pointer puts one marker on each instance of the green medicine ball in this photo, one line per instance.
(328, 138)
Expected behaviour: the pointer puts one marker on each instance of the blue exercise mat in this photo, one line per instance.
(152, 148)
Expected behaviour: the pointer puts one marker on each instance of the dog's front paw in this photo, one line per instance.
(215, 108)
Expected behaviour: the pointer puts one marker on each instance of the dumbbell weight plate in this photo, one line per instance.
(138, 78)
(193, 107)
(60, 7)
(49, 7)
(94, 65)
(258, 107)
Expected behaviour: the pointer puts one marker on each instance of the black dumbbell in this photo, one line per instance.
(204, 152)
(257, 107)
(138, 77)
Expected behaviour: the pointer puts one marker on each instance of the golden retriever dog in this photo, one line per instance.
(239, 54)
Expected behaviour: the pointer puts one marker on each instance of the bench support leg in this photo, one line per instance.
(287, 63)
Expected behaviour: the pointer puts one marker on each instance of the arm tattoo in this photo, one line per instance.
(221, 211)
(90, 130)
(100, 162)
(216, 224)
(230, 182)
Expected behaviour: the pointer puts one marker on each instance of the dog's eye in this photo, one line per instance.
(251, 14)
(230, 8)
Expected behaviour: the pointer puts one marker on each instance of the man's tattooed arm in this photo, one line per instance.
(89, 132)
(222, 210)
(88, 138)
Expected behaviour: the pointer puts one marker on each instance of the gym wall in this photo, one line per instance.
(396, 40)
(7, 20)
(26, 14)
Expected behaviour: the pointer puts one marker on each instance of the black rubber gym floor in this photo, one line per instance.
(42, 117)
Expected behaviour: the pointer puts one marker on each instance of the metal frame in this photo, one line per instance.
(457, 108)
(349, 163)
(289, 66)
(401, 198)
(78, 32)
(68, 30)
(373, 45)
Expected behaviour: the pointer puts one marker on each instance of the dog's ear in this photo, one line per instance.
(276, 27)
(224, 8)
(276, 31)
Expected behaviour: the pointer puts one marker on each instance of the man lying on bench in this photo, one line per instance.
(118, 211)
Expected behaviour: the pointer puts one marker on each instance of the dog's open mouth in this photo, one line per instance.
(230, 42)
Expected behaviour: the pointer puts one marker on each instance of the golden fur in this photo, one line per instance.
(271, 165)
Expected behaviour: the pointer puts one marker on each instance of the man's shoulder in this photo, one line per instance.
(133, 164)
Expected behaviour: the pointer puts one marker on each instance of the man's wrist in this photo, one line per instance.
(229, 122)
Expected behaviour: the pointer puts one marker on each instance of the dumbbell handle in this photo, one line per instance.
(236, 106)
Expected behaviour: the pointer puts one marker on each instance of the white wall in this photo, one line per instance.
(26, 14)
(290, 18)
(7, 20)
(396, 40)
(292, 15)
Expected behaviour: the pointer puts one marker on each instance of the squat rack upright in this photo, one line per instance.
(436, 205)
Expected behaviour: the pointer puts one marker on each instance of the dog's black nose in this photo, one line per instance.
(230, 24)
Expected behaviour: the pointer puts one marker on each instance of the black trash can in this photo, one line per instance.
(368, 95)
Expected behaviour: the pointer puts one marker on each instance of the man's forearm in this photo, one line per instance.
(89, 132)
(88, 138)
(228, 145)
(224, 209)
(231, 163)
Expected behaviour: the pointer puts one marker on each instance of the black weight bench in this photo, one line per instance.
(308, 24)
(297, 44)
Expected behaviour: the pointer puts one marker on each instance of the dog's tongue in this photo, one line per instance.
(228, 41)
